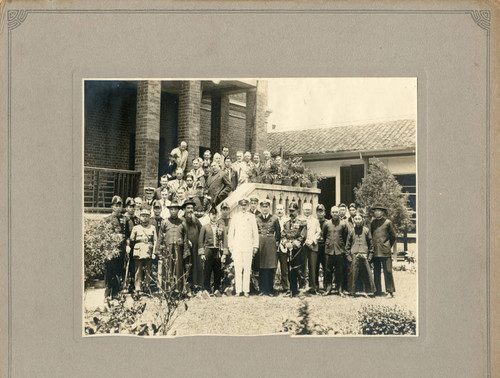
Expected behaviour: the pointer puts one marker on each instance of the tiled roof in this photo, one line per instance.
(368, 137)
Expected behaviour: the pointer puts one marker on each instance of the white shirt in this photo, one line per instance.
(243, 234)
(313, 230)
(182, 157)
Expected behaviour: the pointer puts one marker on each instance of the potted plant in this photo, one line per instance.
(286, 178)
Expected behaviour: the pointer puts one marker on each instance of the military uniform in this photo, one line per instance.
(143, 240)
(173, 251)
(294, 230)
(211, 244)
(269, 237)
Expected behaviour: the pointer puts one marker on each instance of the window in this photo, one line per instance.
(409, 185)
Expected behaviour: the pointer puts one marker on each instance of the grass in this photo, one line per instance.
(256, 315)
(316, 315)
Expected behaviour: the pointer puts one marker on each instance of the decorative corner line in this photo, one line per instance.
(482, 18)
(16, 18)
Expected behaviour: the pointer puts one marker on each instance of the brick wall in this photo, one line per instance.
(110, 116)
(148, 132)
(190, 116)
(205, 128)
(168, 128)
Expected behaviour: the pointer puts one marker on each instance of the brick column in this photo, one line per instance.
(256, 132)
(147, 135)
(219, 134)
(189, 117)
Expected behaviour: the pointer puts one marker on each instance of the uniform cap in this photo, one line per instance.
(293, 206)
(253, 198)
(116, 199)
(156, 204)
(265, 202)
(129, 202)
(149, 189)
(243, 201)
(189, 202)
(225, 205)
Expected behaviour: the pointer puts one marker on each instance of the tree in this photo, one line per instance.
(381, 187)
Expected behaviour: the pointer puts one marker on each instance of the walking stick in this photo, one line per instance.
(126, 274)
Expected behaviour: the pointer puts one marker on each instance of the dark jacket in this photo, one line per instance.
(384, 236)
(335, 234)
(208, 239)
(218, 187)
(359, 241)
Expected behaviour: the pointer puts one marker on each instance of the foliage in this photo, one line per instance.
(381, 187)
(100, 244)
(386, 320)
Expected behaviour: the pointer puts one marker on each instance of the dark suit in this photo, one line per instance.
(384, 236)
(232, 177)
(209, 245)
(218, 187)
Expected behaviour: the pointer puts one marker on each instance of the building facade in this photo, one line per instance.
(131, 127)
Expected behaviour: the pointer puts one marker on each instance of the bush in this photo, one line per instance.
(100, 244)
(386, 320)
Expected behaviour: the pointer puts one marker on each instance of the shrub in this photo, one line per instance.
(100, 244)
(386, 320)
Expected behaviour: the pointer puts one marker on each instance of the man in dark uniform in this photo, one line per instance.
(320, 214)
(115, 266)
(347, 263)
(335, 233)
(149, 193)
(254, 203)
(269, 238)
(294, 235)
(193, 227)
(384, 236)
(172, 249)
(200, 199)
(254, 278)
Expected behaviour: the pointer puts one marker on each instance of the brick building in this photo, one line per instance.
(131, 127)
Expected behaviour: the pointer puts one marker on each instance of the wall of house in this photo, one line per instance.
(110, 117)
(237, 124)
(331, 168)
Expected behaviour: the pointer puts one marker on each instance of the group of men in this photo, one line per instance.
(190, 250)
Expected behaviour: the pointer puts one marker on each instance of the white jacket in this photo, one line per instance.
(243, 234)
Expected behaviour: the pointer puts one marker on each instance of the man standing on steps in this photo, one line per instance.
(294, 235)
(384, 236)
(218, 185)
(182, 155)
(243, 242)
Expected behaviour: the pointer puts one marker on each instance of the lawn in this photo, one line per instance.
(316, 315)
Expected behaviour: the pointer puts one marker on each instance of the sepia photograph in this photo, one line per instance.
(250, 207)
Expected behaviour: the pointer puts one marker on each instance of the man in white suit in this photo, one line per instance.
(243, 242)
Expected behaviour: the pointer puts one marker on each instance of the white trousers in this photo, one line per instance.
(242, 269)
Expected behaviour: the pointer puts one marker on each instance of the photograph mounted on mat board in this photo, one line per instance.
(250, 207)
